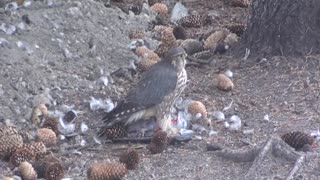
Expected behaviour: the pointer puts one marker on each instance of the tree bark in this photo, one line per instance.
(282, 27)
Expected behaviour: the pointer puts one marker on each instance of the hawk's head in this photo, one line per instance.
(177, 57)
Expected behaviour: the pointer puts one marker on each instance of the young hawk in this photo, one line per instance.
(153, 95)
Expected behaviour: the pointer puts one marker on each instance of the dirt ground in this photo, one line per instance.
(58, 58)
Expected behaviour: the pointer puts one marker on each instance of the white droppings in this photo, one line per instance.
(8, 28)
(229, 73)
(21, 26)
(61, 137)
(27, 3)
(248, 131)
(103, 81)
(83, 142)
(66, 128)
(316, 134)
(97, 140)
(212, 133)
(218, 115)
(84, 127)
(96, 104)
(10, 7)
(234, 123)
(3, 42)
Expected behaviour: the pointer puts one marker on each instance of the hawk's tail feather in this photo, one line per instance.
(119, 115)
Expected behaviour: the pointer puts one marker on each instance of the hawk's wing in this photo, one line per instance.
(155, 84)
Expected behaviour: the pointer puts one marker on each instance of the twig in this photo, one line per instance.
(258, 160)
(296, 167)
(228, 106)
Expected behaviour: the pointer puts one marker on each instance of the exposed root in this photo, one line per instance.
(276, 146)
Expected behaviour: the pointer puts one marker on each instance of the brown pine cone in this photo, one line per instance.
(191, 21)
(27, 171)
(54, 171)
(218, 36)
(136, 34)
(116, 131)
(51, 123)
(49, 167)
(163, 48)
(20, 155)
(110, 171)
(152, 2)
(38, 114)
(130, 158)
(47, 136)
(297, 139)
(240, 3)
(167, 36)
(145, 64)
(160, 8)
(38, 148)
(197, 107)
(238, 29)
(10, 140)
(180, 33)
(159, 142)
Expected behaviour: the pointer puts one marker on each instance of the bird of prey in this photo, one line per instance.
(153, 96)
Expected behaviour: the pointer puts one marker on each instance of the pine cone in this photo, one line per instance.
(38, 148)
(297, 139)
(143, 51)
(20, 155)
(136, 34)
(27, 171)
(152, 2)
(20, 2)
(168, 41)
(10, 140)
(167, 36)
(191, 21)
(216, 37)
(110, 171)
(145, 64)
(48, 168)
(240, 3)
(179, 32)
(130, 158)
(159, 142)
(197, 107)
(231, 39)
(238, 29)
(6, 178)
(54, 171)
(129, 5)
(38, 113)
(51, 123)
(116, 131)
(47, 136)
(160, 8)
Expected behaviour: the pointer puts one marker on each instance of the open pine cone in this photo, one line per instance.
(99, 171)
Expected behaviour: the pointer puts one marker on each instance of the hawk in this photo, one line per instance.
(153, 96)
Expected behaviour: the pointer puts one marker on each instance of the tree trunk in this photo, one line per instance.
(282, 27)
